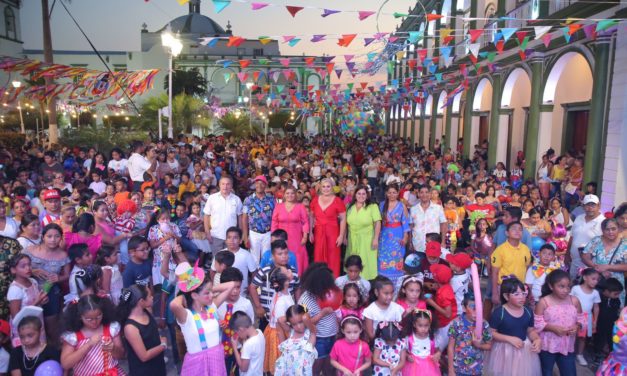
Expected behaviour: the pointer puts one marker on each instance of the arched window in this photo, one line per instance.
(9, 23)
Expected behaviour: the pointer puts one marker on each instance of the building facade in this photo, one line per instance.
(569, 95)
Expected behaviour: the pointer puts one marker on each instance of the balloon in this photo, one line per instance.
(49, 368)
(476, 287)
(332, 298)
(536, 243)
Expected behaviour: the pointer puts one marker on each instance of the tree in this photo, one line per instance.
(189, 82)
(186, 111)
(53, 130)
(237, 126)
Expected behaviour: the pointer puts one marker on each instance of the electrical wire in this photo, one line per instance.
(100, 57)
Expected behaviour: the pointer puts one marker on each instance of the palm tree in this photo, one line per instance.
(53, 130)
(189, 82)
(237, 126)
(186, 108)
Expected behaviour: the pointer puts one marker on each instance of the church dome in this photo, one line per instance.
(194, 23)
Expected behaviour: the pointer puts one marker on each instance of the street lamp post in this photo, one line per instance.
(17, 84)
(174, 47)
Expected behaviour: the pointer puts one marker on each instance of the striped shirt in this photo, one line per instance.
(327, 326)
(266, 293)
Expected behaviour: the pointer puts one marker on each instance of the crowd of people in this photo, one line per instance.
(305, 256)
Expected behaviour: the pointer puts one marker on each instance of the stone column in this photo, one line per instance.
(470, 94)
(533, 120)
(493, 137)
(434, 120)
(598, 111)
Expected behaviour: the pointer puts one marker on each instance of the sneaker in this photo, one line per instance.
(582, 361)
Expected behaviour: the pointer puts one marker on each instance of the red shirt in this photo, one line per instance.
(445, 297)
(486, 209)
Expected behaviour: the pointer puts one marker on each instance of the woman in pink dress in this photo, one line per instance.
(329, 215)
(104, 227)
(292, 217)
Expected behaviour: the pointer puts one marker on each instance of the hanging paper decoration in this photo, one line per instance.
(591, 31)
(363, 14)
(520, 35)
(367, 41)
(226, 63)
(309, 61)
(265, 40)
(328, 12)
(243, 76)
(182, 2)
(474, 48)
(293, 9)
(227, 77)
(244, 63)
(348, 58)
(605, 24)
(338, 73)
(573, 28)
(500, 45)
(433, 17)
(546, 40)
(257, 6)
(445, 33)
(287, 38)
(219, 5)
(475, 34)
(539, 31)
(330, 67)
(399, 15)
(318, 38)
(209, 42)
(346, 40)
(415, 36)
(285, 62)
(507, 32)
(293, 42)
(235, 41)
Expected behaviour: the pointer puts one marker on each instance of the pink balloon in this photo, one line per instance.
(476, 287)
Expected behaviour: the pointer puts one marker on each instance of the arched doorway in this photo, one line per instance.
(512, 122)
(480, 126)
(569, 89)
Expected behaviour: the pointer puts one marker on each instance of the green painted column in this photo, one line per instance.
(412, 131)
(448, 122)
(493, 137)
(470, 95)
(434, 120)
(421, 136)
(592, 166)
(473, 14)
(533, 119)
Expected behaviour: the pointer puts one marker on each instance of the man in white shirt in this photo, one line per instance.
(222, 210)
(427, 217)
(585, 227)
(138, 165)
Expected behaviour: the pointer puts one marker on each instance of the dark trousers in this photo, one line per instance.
(565, 363)
(137, 186)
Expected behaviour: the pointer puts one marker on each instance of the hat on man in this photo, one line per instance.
(590, 199)
(51, 194)
(433, 249)
(261, 178)
(412, 263)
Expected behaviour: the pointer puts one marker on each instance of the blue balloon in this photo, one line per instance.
(536, 243)
(49, 368)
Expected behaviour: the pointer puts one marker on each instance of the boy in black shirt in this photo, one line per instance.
(608, 314)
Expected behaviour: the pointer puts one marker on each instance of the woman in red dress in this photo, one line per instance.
(328, 233)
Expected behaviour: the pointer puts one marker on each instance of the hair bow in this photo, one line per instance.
(125, 295)
(425, 311)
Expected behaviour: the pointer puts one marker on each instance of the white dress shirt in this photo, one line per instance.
(224, 213)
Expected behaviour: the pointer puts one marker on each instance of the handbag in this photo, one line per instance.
(602, 279)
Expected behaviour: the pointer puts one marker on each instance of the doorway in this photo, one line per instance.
(484, 127)
(576, 130)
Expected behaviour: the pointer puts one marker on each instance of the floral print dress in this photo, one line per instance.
(297, 356)
(391, 251)
(390, 354)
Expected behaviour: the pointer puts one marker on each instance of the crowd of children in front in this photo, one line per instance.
(382, 329)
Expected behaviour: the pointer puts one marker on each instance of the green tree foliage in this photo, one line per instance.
(186, 111)
(189, 82)
(237, 127)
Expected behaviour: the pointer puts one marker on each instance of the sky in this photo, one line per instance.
(116, 24)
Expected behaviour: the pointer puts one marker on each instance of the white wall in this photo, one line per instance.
(574, 85)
